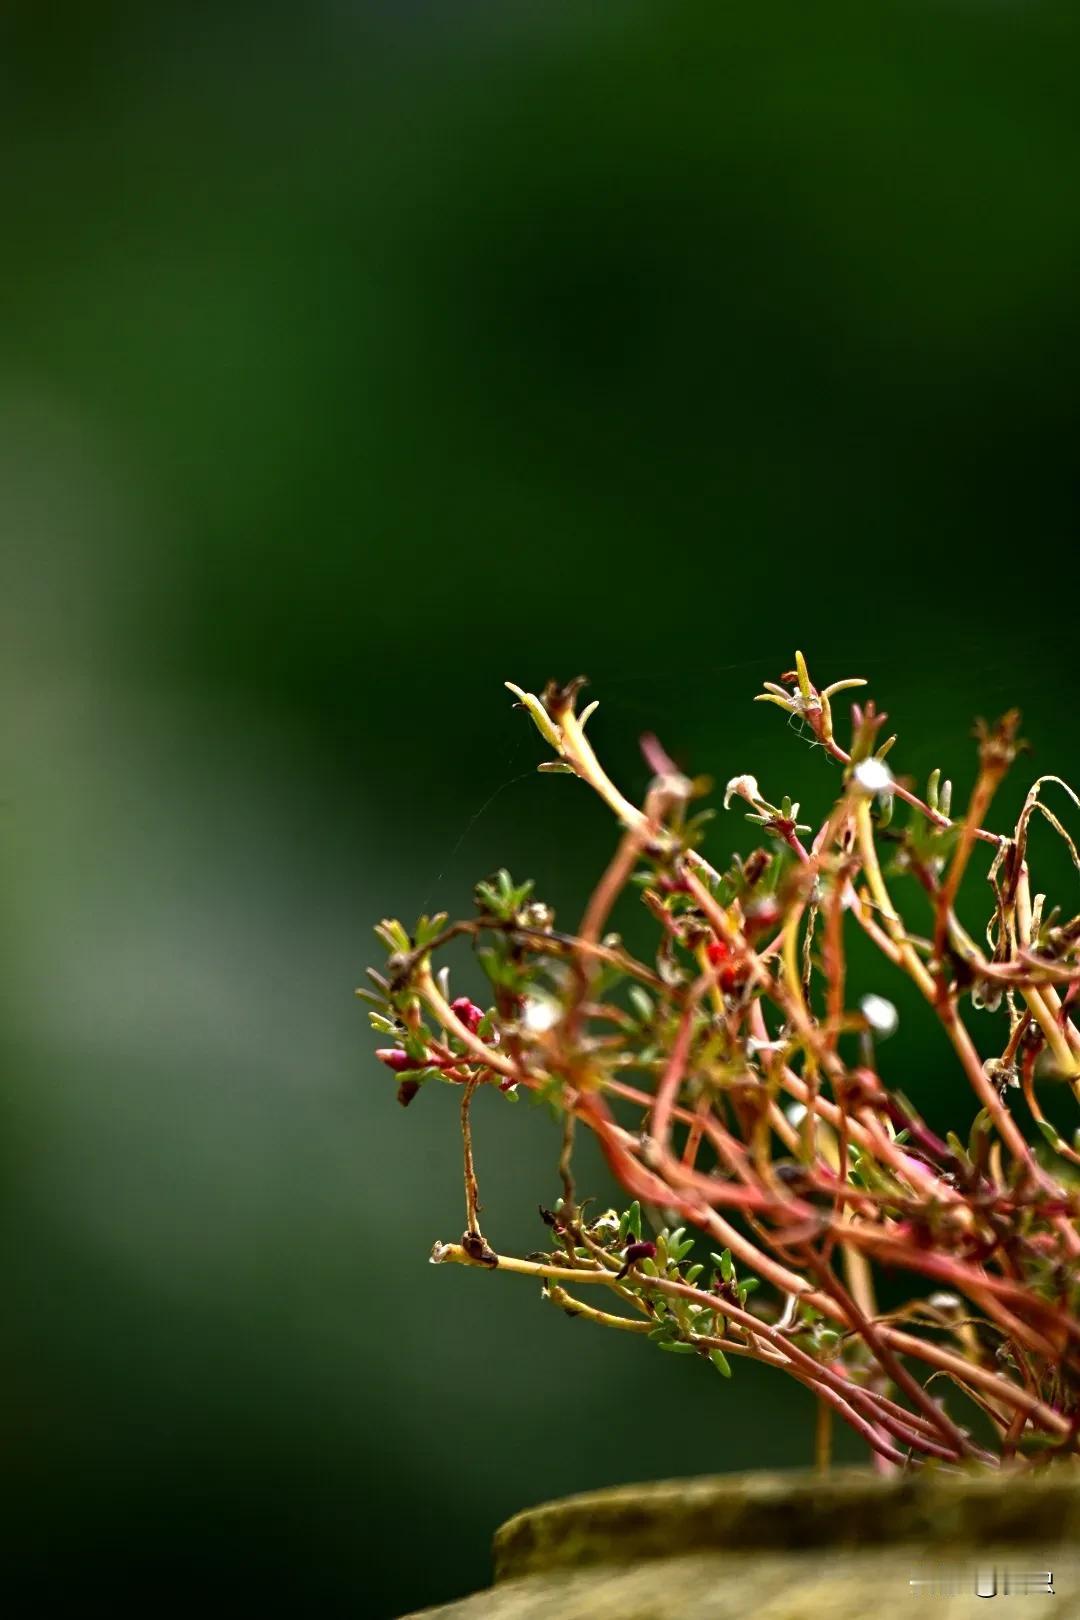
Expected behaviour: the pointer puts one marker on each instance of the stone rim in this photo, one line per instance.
(791, 1511)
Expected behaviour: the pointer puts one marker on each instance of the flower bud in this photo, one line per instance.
(730, 973)
(642, 1250)
(762, 915)
(746, 787)
(397, 1059)
(470, 1014)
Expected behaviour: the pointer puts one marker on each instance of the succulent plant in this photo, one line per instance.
(741, 1107)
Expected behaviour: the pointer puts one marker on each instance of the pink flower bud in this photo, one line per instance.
(470, 1014)
(398, 1060)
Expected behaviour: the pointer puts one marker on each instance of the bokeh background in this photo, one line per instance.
(355, 359)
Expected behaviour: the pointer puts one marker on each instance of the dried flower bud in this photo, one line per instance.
(643, 1250)
(478, 1249)
(755, 866)
(746, 787)
(407, 1091)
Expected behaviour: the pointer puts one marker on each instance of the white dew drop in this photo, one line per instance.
(881, 1015)
(540, 1016)
(795, 1113)
(873, 776)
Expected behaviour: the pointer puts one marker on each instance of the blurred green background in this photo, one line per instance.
(354, 360)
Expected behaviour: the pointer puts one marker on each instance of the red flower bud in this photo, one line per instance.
(670, 885)
(720, 955)
(470, 1014)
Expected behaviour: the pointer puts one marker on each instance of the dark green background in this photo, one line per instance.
(355, 360)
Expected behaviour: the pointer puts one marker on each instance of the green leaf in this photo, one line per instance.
(1049, 1131)
(539, 715)
(393, 936)
(720, 1362)
(633, 1220)
(979, 1138)
(420, 1075)
(500, 897)
(958, 1148)
(369, 995)
(429, 928)
(677, 1347)
(1034, 1443)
